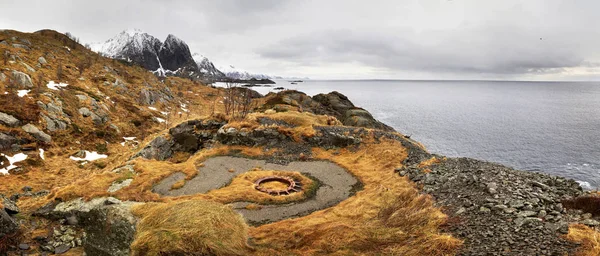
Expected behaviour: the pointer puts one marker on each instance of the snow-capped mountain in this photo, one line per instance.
(235, 73)
(172, 57)
(207, 68)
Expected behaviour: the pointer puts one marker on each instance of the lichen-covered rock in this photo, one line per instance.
(110, 230)
(36, 133)
(7, 224)
(6, 141)
(22, 80)
(108, 223)
(8, 120)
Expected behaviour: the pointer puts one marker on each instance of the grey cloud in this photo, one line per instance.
(475, 51)
(393, 38)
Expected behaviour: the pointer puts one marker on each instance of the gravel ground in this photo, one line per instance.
(497, 210)
(336, 185)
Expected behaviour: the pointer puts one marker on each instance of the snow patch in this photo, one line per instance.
(164, 113)
(22, 93)
(12, 160)
(54, 86)
(89, 156)
(127, 139)
(42, 154)
(153, 108)
(160, 120)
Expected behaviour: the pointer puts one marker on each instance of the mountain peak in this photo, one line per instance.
(133, 31)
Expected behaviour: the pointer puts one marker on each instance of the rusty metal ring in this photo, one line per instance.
(293, 186)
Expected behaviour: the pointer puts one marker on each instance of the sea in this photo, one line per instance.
(548, 127)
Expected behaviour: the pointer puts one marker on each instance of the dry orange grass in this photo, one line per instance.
(148, 173)
(429, 162)
(193, 227)
(388, 216)
(242, 188)
(587, 237)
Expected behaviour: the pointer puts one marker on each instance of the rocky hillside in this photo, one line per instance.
(100, 156)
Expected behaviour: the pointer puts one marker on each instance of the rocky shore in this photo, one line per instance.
(497, 210)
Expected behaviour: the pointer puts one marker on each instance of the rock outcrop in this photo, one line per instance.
(333, 103)
(37, 133)
(108, 223)
(22, 80)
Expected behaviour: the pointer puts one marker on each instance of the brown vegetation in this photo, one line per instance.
(587, 237)
(193, 227)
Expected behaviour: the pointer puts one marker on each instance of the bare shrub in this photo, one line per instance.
(59, 71)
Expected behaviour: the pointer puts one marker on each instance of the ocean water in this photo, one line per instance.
(550, 127)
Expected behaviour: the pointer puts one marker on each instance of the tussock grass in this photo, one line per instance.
(587, 237)
(388, 216)
(193, 227)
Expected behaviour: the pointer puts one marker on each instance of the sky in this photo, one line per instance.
(348, 39)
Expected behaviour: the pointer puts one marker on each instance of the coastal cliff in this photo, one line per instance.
(110, 160)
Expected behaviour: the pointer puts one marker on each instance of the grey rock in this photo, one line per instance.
(6, 141)
(2, 77)
(22, 80)
(10, 206)
(484, 209)
(590, 222)
(85, 112)
(8, 120)
(7, 224)
(29, 68)
(21, 46)
(62, 249)
(36, 133)
(24, 247)
(81, 97)
(586, 216)
(124, 169)
(492, 187)
(118, 185)
(114, 127)
(54, 124)
(159, 149)
(110, 230)
(524, 214)
(542, 214)
(42, 60)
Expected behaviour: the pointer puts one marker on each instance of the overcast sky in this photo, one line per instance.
(437, 39)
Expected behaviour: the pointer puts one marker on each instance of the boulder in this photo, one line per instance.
(6, 141)
(53, 124)
(160, 148)
(10, 206)
(36, 133)
(23, 80)
(42, 61)
(8, 120)
(85, 112)
(108, 223)
(7, 224)
(29, 68)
